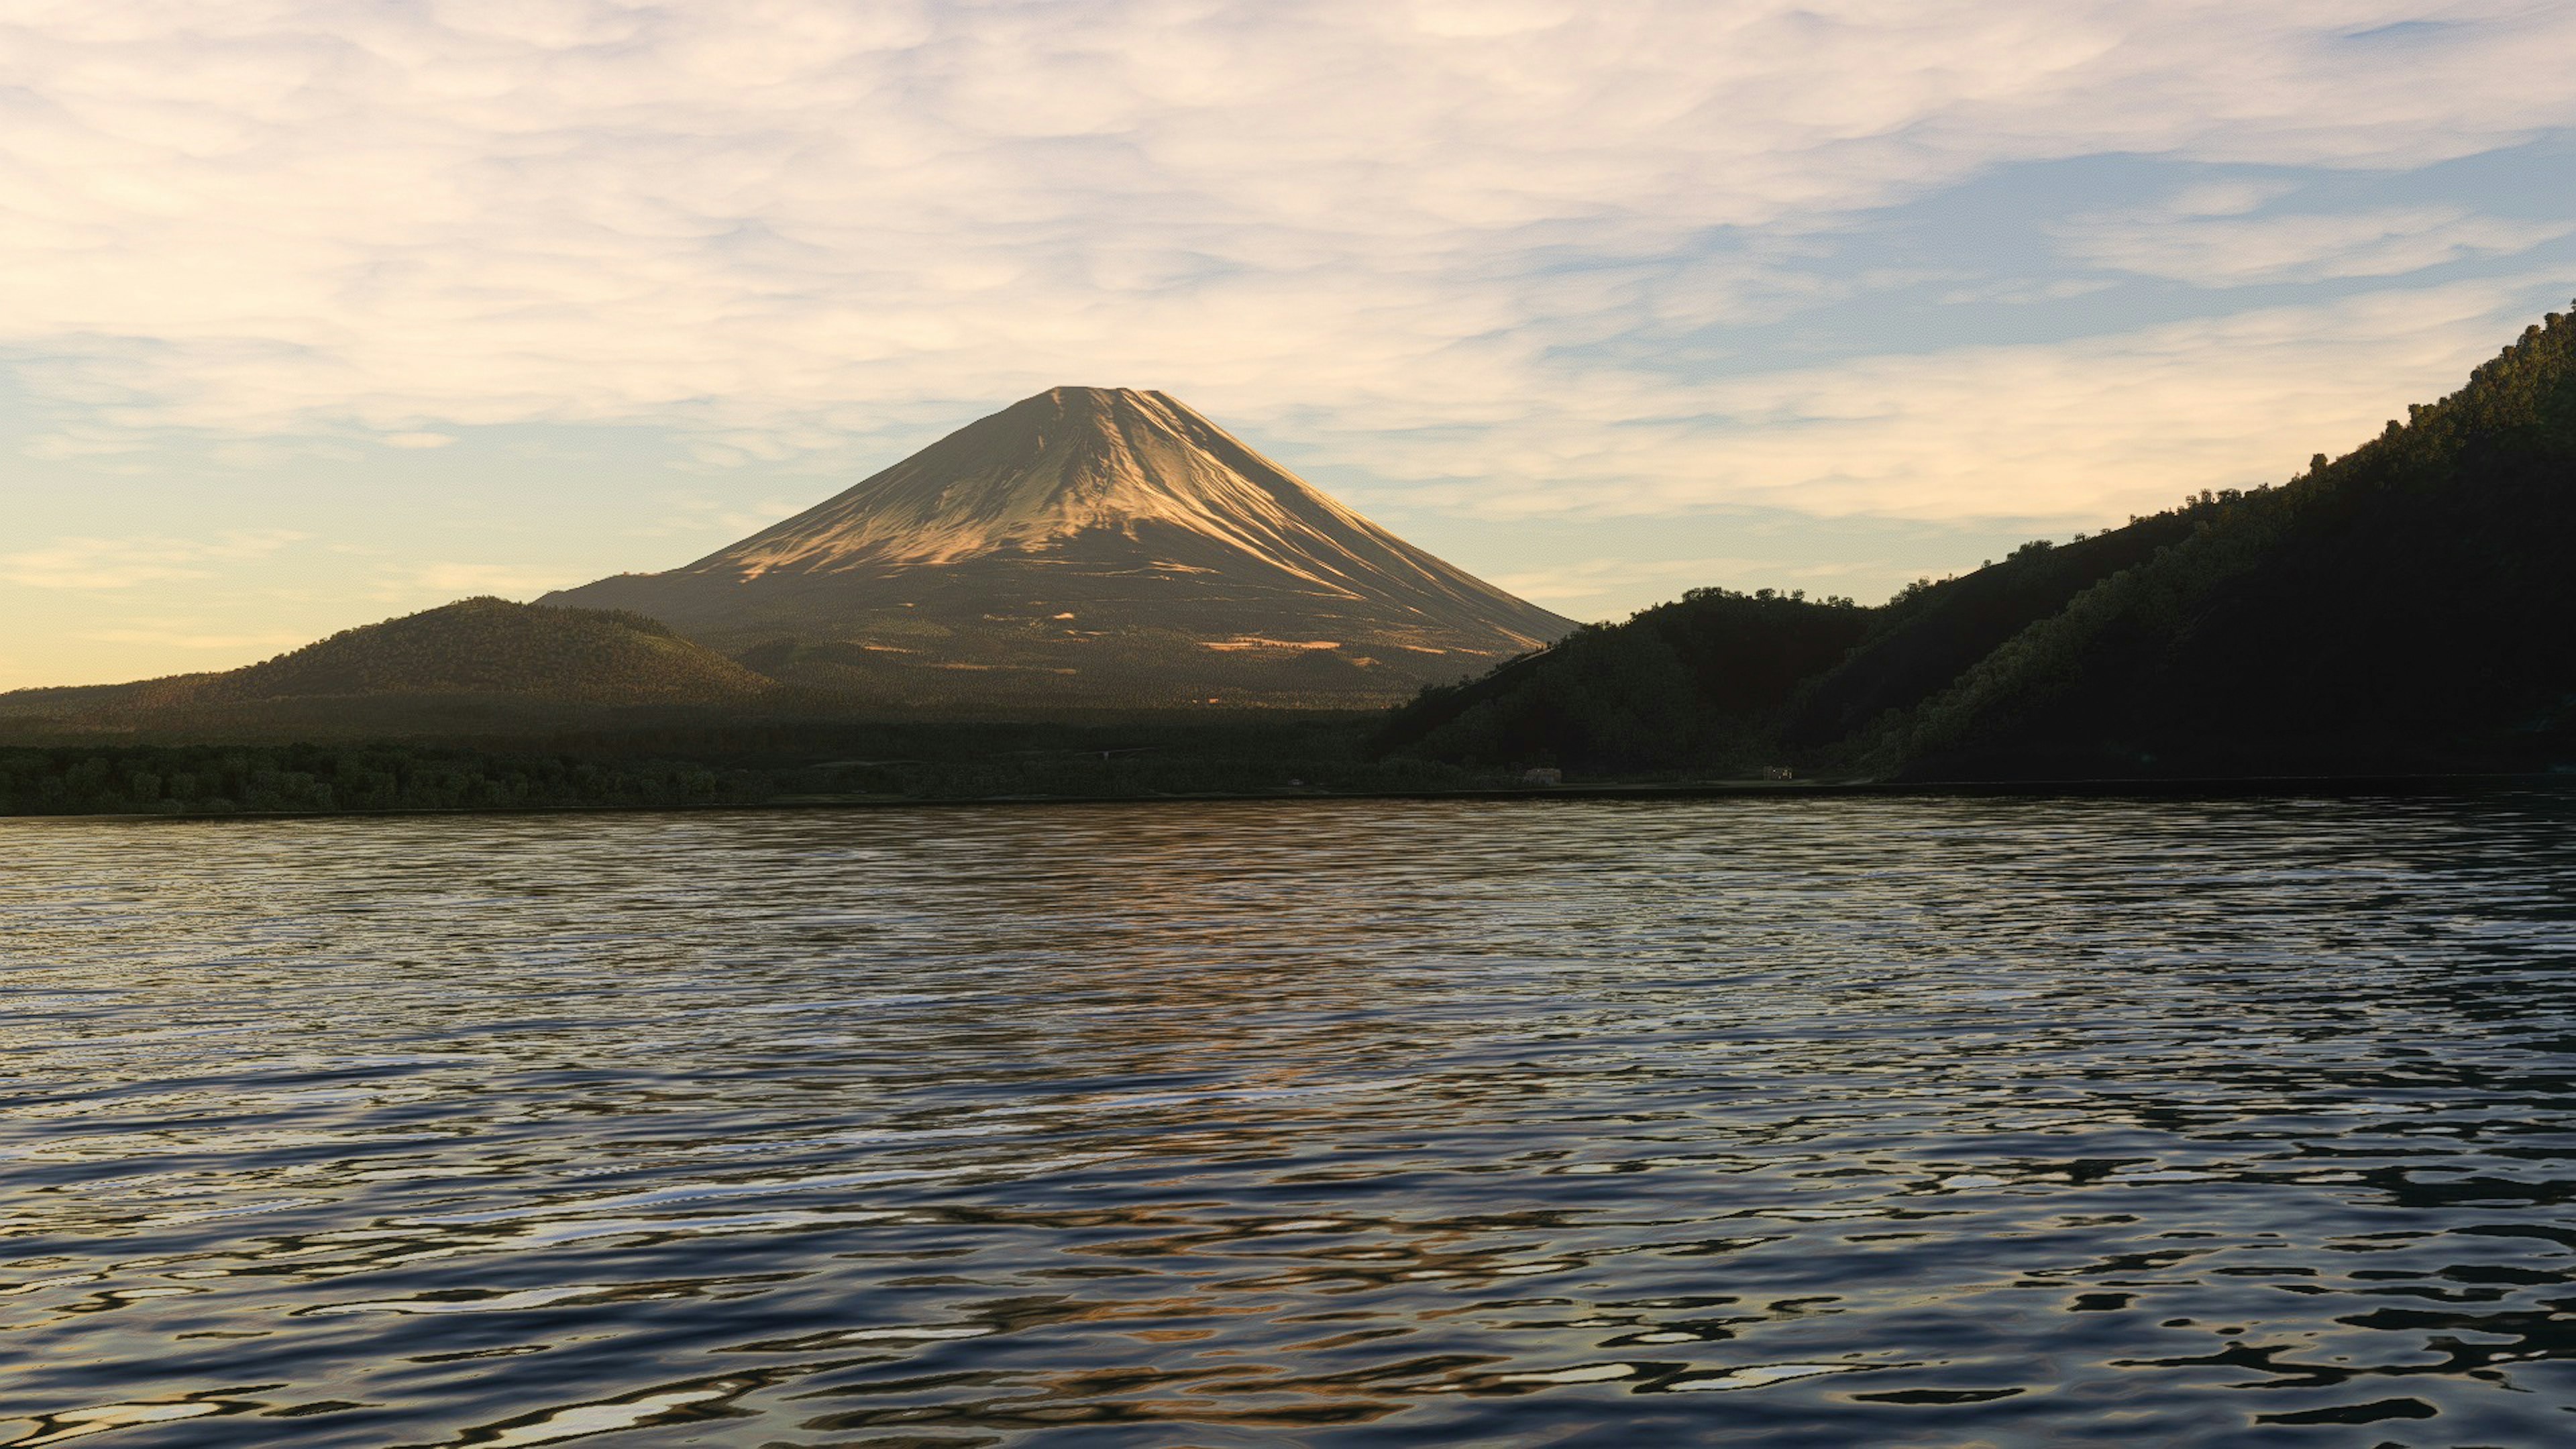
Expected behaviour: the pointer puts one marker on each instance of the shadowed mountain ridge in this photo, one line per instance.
(2401, 609)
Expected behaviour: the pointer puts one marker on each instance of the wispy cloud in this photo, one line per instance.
(688, 516)
(263, 644)
(2080, 430)
(781, 224)
(458, 580)
(414, 275)
(2235, 251)
(123, 563)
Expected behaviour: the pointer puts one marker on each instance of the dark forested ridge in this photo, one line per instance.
(2408, 606)
(718, 760)
(2405, 608)
(1927, 636)
(1697, 682)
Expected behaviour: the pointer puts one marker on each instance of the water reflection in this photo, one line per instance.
(1802, 1122)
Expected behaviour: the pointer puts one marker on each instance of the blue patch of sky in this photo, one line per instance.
(1987, 262)
(2533, 181)
(2406, 30)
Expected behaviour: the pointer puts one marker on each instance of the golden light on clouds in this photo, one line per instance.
(1943, 261)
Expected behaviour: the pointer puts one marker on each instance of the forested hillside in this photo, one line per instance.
(475, 666)
(2407, 607)
(1690, 683)
(718, 760)
(1924, 638)
(493, 646)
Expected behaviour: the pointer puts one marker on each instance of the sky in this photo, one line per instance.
(314, 312)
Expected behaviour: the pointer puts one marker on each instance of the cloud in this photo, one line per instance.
(2221, 198)
(2239, 251)
(2025, 293)
(123, 563)
(780, 225)
(462, 580)
(2078, 431)
(263, 644)
(702, 518)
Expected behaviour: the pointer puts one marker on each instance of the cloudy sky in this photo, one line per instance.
(317, 311)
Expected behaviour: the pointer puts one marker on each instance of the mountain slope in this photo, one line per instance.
(1087, 544)
(493, 646)
(2404, 607)
(475, 664)
(1921, 641)
(1695, 683)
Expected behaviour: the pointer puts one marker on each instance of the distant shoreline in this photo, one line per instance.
(2197, 787)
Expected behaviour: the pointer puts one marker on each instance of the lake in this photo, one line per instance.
(1790, 1121)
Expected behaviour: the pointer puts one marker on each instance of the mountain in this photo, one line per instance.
(1087, 546)
(1925, 638)
(2404, 608)
(476, 664)
(1687, 683)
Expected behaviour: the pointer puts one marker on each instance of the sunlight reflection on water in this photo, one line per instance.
(1921, 1121)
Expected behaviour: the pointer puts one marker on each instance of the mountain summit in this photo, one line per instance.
(1088, 545)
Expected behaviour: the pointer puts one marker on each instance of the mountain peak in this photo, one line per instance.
(1103, 396)
(1043, 473)
(1072, 525)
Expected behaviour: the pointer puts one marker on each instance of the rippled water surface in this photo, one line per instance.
(1802, 1122)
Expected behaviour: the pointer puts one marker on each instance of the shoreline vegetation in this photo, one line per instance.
(2209, 788)
(697, 763)
(2399, 613)
(160, 782)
